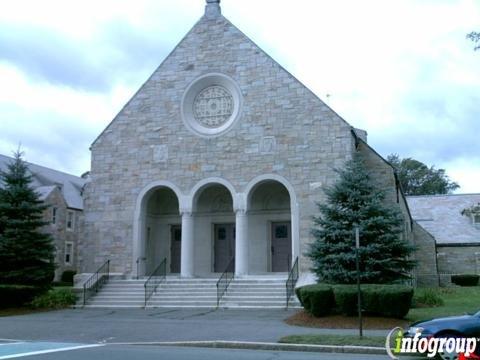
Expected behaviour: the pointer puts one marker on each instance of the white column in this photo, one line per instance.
(241, 243)
(186, 260)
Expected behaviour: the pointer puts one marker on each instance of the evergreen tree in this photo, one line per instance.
(26, 254)
(354, 200)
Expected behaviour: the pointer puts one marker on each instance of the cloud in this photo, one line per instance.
(119, 52)
(401, 70)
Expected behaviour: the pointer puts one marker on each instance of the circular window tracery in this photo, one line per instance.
(213, 106)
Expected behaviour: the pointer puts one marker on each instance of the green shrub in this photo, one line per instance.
(56, 298)
(67, 276)
(382, 300)
(387, 300)
(17, 295)
(465, 279)
(316, 299)
(298, 292)
(346, 299)
(427, 298)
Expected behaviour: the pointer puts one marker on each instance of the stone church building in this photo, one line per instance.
(221, 154)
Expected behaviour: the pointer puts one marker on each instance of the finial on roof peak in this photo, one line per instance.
(212, 9)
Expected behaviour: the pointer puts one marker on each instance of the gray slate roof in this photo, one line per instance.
(441, 216)
(45, 179)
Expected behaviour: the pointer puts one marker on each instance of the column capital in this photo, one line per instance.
(240, 211)
(186, 212)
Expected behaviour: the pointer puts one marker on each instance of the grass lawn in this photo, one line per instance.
(457, 301)
(378, 341)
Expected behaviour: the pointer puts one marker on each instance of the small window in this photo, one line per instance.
(70, 220)
(476, 219)
(54, 215)
(68, 253)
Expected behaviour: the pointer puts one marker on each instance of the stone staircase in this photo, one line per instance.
(250, 292)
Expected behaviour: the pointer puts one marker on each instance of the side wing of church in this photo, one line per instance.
(220, 156)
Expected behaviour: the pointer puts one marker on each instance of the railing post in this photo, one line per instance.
(95, 281)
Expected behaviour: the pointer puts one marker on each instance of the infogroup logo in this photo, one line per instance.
(400, 342)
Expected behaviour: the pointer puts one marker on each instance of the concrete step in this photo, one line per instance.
(264, 292)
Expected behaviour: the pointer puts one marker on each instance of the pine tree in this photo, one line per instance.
(354, 200)
(26, 254)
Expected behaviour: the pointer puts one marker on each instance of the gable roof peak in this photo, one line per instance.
(212, 9)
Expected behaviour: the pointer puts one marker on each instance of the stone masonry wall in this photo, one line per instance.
(59, 230)
(457, 260)
(310, 140)
(426, 270)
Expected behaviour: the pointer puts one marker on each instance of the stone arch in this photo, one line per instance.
(202, 184)
(213, 202)
(254, 184)
(139, 221)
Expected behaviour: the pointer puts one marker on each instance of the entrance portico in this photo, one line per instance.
(201, 232)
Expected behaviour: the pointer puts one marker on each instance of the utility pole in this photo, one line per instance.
(357, 261)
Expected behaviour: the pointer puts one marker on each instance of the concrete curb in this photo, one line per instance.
(221, 344)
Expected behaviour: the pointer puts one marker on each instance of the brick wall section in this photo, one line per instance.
(426, 270)
(311, 140)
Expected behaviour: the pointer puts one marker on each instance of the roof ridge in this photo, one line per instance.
(441, 195)
(45, 167)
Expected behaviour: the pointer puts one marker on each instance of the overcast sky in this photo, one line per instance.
(403, 70)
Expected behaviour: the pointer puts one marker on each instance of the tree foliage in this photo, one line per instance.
(417, 178)
(475, 37)
(26, 254)
(384, 252)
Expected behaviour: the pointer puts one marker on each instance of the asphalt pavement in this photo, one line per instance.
(123, 352)
(139, 325)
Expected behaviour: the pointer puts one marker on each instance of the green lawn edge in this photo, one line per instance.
(339, 340)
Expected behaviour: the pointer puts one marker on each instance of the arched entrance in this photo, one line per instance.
(214, 241)
(157, 228)
(270, 231)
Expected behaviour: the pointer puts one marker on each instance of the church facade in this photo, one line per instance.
(221, 154)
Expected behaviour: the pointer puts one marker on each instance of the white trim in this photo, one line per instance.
(70, 263)
(72, 223)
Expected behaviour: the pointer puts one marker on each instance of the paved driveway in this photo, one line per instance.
(138, 325)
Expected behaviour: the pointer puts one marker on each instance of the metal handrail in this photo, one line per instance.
(156, 277)
(291, 281)
(225, 280)
(96, 281)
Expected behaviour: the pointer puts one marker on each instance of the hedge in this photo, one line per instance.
(17, 295)
(316, 299)
(381, 300)
(387, 300)
(465, 279)
(346, 299)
